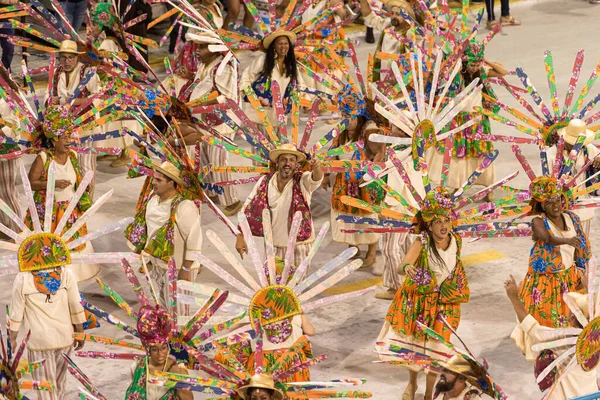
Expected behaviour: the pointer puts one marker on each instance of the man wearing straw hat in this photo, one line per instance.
(570, 134)
(283, 193)
(172, 229)
(68, 75)
(261, 387)
(216, 73)
(388, 44)
(455, 382)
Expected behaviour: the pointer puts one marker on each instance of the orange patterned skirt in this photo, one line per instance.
(542, 295)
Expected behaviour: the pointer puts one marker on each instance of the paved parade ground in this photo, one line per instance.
(346, 331)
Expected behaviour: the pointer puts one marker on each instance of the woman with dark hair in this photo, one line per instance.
(434, 287)
(557, 261)
(469, 149)
(277, 64)
(56, 140)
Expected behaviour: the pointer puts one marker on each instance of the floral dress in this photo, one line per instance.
(69, 171)
(435, 291)
(348, 184)
(551, 273)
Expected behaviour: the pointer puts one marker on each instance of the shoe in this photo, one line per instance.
(378, 269)
(107, 157)
(368, 262)
(120, 162)
(370, 37)
(357, 255)
(505, 21)
(491, 24)
(351, 14)
(233, 209)
(386, 294)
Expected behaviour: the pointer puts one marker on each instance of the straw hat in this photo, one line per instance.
(170, 171)
(260, 381)
(401, 4)
(68, 46)
(215, 43)
(575, 128)
(582, 302)
(287, 148)
(270, 38)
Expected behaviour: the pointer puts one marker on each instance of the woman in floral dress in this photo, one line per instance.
(558, 259)
(435, 286)
(58, 127)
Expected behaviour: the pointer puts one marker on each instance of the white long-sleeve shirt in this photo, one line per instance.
(50, 322)
(188, 232)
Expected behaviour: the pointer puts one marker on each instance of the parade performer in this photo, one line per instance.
(8, 168)
(462, 376)
(216, 73)
(576, 343)
(274, 79)
(395, 35)
(58, 131)
(558, 259)
(277, 302)
(435, 284)
(550, 125)
(67, 77)
(45, 299)
(282, 193)
(104, 22)
(588, 154)
(347, 184)
(470, 145)
(166, 224)
(167, 349)
(395, 245)
(278, 64)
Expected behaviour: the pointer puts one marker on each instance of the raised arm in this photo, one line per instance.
(512, 291)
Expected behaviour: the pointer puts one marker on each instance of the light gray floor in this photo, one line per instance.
(347, 331)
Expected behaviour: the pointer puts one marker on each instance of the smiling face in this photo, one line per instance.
(553, 207)
(282, 46)
(158, 353)
(68, 61)
(396, 17)
(62, 143)
(446, 381)
(440, 228)
(287, 164)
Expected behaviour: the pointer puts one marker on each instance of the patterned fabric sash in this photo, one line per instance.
(455, 289)
(261, 201)
(262, 88)
(48, 282)
(84, 92)
(162, 243)
(547, 259)
(137, 389)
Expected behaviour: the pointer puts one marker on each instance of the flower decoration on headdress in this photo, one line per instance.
(474, 53)
(57, 122)
(154, 325)
(351, 102)
(543, 188)
(103, 15)
(42, 251)
(437, 203)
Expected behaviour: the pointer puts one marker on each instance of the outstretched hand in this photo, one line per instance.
(511, 287)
